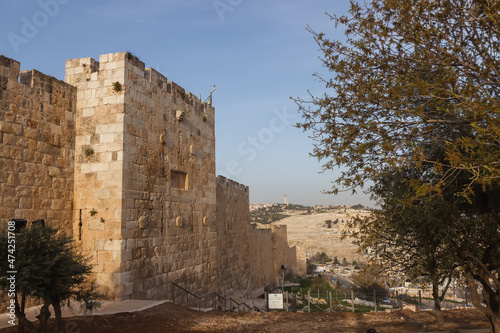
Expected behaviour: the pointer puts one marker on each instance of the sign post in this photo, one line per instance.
(275, 301)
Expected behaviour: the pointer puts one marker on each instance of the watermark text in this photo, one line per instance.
(31, 26)
(11, 272)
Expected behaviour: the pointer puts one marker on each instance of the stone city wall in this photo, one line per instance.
(126, 160)
(36, 146)
(299, 265)
(249, 257)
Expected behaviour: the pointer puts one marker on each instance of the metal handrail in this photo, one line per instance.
(242, 303)
(189, 293)
(212, 293)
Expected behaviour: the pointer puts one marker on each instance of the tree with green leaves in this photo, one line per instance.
(49, 269)
(407, 72)
(417, 240)
(369, 283)
(321, 257)
(416, 85)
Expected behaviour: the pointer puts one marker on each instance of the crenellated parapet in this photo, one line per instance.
(133, 75)
(235, 186)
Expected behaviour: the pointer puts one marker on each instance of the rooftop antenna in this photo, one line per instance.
(209, 98)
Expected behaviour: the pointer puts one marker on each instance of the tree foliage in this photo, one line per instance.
(431, 239)
(408, 72)
(413, 105)
(417, 240)
(49, 269)
(321, 257)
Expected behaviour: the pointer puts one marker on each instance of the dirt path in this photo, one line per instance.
(173, 319)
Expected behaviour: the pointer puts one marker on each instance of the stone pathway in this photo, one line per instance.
(107, 307)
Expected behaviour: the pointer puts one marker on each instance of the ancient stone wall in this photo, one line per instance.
(125, 160)
(234, 238)
(36, 146)
(169, 187)
(249, 257)
(99, 166)
(148, 188)
(299, 265)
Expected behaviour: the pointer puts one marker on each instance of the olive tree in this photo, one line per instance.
(411, 237)
(48, 268)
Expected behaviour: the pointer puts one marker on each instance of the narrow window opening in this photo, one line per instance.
(178, 179)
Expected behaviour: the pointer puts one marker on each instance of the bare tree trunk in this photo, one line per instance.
(44, 316)
(437, 306)
(22, 318)
(492, 308)
(20, 324)
(495, 324)
(56, 304)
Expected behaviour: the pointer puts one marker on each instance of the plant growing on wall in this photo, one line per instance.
(117, 86)
(181, 92)
(131, 56)
(93, 212)
(89, 151)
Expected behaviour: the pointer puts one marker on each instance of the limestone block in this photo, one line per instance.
(25, 203)
(99, 167)
(5, 127)
(149, 283)
(120, 118)
(54, 172)
(92, 103)
(115, 166)
(86, 168)
(107, 138)
(113, 266)
(111, 65)
(113, 245)
(115, 128)
(96, 225)
(128, 288)
(104, 256)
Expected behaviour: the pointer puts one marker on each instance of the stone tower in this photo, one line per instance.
(144, 177)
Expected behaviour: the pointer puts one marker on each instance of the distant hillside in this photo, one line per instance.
(269, 213)
(272, 212)
(321, 231)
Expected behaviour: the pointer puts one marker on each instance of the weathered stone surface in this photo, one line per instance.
(126, 160)
(36, 133)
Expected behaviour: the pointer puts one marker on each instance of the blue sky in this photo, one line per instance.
(257, 53)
